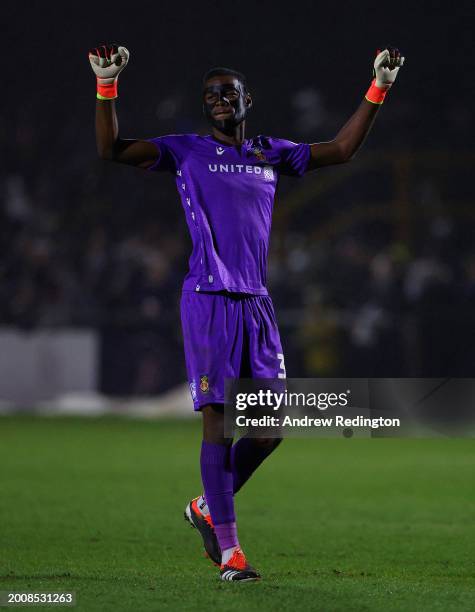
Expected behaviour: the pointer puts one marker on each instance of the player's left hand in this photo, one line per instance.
(386, 66)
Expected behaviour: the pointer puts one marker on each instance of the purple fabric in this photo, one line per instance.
(220, 333)
(217, 480)
(246, 457)
(227, 535)
(228, 197)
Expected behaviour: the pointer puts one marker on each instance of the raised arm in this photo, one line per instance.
(107, 62)
(352, 135)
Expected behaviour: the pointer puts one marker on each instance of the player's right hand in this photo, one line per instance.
(107, 62)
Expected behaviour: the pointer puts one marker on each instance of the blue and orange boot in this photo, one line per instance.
(203, 523)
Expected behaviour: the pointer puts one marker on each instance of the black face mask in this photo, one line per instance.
(220, 96)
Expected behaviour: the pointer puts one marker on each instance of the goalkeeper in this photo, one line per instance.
(227, 184)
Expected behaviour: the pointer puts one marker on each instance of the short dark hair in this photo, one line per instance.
(221, 71)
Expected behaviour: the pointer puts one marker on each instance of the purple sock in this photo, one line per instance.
(218, 487)
(227, 535)
(246, 457)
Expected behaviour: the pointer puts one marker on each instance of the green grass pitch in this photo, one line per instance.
(96, 506)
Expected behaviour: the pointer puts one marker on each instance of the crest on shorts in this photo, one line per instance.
(204, 383)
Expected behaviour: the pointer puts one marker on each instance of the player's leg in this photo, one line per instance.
(264, 360)
(202, 317)
(212, 332)
(218, 485)
(212, 513)
(217, 478)
(247, 454)
(224, 469)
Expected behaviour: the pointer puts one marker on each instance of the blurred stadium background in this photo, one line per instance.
(373, 264)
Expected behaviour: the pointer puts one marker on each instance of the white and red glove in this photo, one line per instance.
(385, 69)
(108, 61)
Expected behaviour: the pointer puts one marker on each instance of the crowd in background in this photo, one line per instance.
(87, 243)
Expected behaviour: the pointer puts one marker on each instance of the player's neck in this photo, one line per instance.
(235, 139)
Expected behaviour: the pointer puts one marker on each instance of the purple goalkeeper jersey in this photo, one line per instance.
(228, 196)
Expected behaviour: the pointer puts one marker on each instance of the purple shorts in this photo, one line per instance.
(228, 336)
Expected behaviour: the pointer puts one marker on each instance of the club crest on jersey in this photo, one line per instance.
(259, 154)
(204, 384)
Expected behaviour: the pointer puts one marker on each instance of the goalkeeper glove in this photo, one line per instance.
(108, 61)
(386, 67)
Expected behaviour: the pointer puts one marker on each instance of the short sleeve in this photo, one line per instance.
(171, 151)
(293, 157)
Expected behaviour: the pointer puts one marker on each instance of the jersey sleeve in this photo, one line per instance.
(171, 152)
(292, 157)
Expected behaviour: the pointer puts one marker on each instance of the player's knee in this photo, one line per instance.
(213, 425)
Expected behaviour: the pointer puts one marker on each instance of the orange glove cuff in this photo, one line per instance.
(107, 91)
(376, 95)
